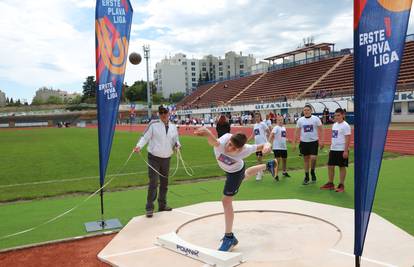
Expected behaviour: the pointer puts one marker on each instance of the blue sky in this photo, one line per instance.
(51, 42)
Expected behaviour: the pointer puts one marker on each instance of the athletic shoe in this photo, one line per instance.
(305, 181)
(285, 174)
(259, 176)
(149, 213)
(313, 181)
(277, 178)
(228, 243)
(270, 166)
(328, 186)
(340, 188)
(166, 208)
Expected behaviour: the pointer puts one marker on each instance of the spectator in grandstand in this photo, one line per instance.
(260, 133)
(295, 117)
(162, 139)
(187, 123)
(310, 130)
(278, 139)
(222, 126)
(338, 155)
(268, 122)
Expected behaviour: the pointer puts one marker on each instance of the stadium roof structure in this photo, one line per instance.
(302, 50)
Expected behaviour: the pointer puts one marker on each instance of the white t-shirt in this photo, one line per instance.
(309, 128)
(259, 131)
(339, 131)
(268, 123)
(232, 163)
(279, 142)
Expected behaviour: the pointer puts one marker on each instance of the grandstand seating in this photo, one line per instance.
(291, 82)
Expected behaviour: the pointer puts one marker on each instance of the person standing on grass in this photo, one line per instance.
(229, 151)
(310, 130)
(260, 133)
(339, 153)
(162, 139)
(222, 126)
(278, 139)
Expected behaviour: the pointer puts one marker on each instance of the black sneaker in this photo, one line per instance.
(149, 213)
(166, 208)
(285, 174)
(277, 178)
(305, 181)
(313, 179)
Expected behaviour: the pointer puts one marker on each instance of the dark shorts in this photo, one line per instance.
(259, 153)
(233, 182)
(336, 159)
(309, 148)
(279, 153)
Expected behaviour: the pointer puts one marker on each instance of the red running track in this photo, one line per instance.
(399, 141)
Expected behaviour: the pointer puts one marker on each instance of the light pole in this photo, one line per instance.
(147, 56)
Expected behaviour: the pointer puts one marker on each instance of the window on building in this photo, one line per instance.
(411, 107)
(241, 72)
(241, 66)
(220, 73)
(193, 79)
(184, 62)
(220, 68)
(193, 74)
(204, 69)
(220, 63)
(193, 68)
(194, 84)
(204, 64)
(397, 107)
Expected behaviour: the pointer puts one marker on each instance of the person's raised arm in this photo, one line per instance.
(211, 139)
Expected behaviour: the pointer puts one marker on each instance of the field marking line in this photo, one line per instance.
(109, 175)
(363, 258)
(186, 213)
(130, 252)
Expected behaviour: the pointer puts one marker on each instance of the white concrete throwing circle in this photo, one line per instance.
(266, 236)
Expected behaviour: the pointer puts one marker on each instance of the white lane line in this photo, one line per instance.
(129, 252)
(187, 213)
(110, 175)
(364, 259)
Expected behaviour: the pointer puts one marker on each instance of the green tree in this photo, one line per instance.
(89, 89)
(157, 98)
(176, 97)
(37, 101)
(54, 100)
(137, 91)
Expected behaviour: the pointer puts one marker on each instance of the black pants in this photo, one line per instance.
(162, 165)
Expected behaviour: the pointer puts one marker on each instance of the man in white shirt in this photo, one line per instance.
(310, 130)
(278, 139)
(260, 133)
(339, 153)
(229, 151)
(162, 139)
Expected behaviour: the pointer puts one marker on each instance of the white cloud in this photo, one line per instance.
(40, 46)
(51, 42)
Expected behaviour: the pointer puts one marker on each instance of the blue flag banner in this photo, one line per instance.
(380, 28)
(112, 28)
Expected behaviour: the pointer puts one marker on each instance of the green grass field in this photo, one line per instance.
(50, 155)
(50, 162)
